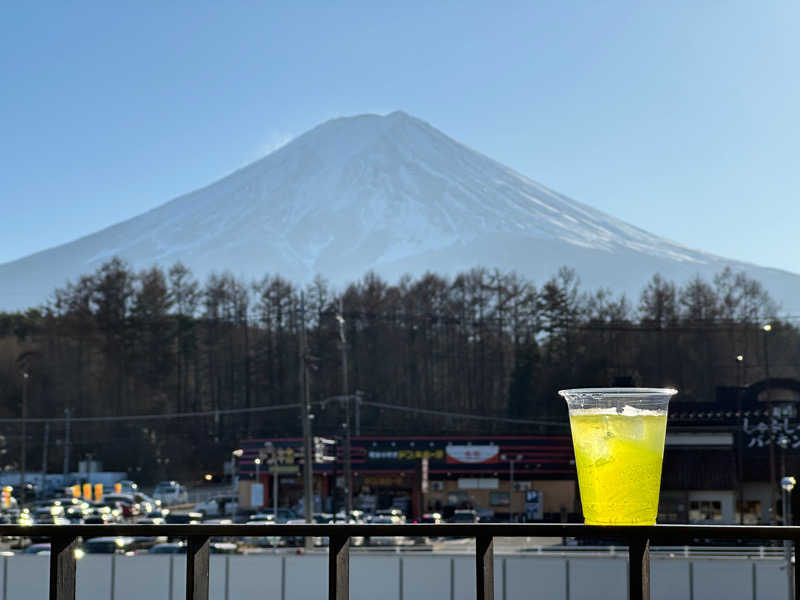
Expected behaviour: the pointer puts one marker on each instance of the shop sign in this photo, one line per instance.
(775, 429)
(385, 481)
(424, 483)
(280, 456)
(405, 454)
(284, 469)
(489, 453)
(533, 505)
(474, 483)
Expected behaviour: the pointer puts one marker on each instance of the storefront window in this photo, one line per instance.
(456, 498)
(751, 515)
(499, 499)
(705, 510)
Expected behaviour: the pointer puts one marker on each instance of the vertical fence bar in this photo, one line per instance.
(339, 567)
(197, 556)
(170, 591)
(113, 575)
(227, 578)
(62, 568)
(639, 568)
(484, 568)
(400, 591)
(796, 544)
(452, 579)
(283, 577)
(505, 580)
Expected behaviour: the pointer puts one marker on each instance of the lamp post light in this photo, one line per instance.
(740, 436)
(236, 454)
(257, 462)
(787, 484)
(766, 328)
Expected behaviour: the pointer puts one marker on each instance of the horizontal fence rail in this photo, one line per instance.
(638, 540)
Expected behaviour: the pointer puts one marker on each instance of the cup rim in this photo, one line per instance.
(619, 392)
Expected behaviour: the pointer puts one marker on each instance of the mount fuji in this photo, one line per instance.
(385, 193)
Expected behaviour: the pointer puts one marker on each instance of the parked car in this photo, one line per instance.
(150, 521)
(107, 545)
(99, 519)
(170, 492)
(183, 518)
(168, 548)
(299, 540)
(43, 548)
(145, 502)
(284, 514)
(387, 540)
(124, 502)
(218, 506)
(262, 541)
(464, 516)
(127, 486)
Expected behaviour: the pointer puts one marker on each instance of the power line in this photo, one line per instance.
(179, 415)
(442, 413)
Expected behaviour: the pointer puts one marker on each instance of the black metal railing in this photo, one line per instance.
(64, 540)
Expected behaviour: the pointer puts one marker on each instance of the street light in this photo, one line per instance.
(257, 461)
(788, 483)
(766, 328)
(740, 437)
(234, 476)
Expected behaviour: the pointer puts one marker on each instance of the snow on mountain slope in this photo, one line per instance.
(387, 193)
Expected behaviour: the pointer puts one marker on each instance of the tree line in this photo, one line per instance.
(119, 342)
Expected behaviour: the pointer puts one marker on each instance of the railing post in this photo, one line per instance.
(62, 568)
(339, 567)
(639, 569)
(484, 568)
(197, 551)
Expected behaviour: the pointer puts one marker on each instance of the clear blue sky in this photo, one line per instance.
(680, 117)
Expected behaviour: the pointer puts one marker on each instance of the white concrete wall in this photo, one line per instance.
(401, 577)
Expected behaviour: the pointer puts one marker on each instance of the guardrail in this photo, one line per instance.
(64, 538)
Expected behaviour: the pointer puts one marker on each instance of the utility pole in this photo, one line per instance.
(358, 415)
(308, 454)
(67, 413)
(25, 377)
(348, 476)
(44, 458)
(772, 476)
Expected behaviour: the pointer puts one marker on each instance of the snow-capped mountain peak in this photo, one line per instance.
(385, 193)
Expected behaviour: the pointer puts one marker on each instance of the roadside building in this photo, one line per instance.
(439, 474)
(722, 464)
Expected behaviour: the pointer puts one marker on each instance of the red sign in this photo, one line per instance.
(473, 454)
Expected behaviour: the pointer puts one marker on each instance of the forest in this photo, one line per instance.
(163, 374)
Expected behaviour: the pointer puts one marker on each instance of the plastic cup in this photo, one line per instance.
(618, 437)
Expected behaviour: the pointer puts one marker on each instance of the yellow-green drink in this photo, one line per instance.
(618, 437)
